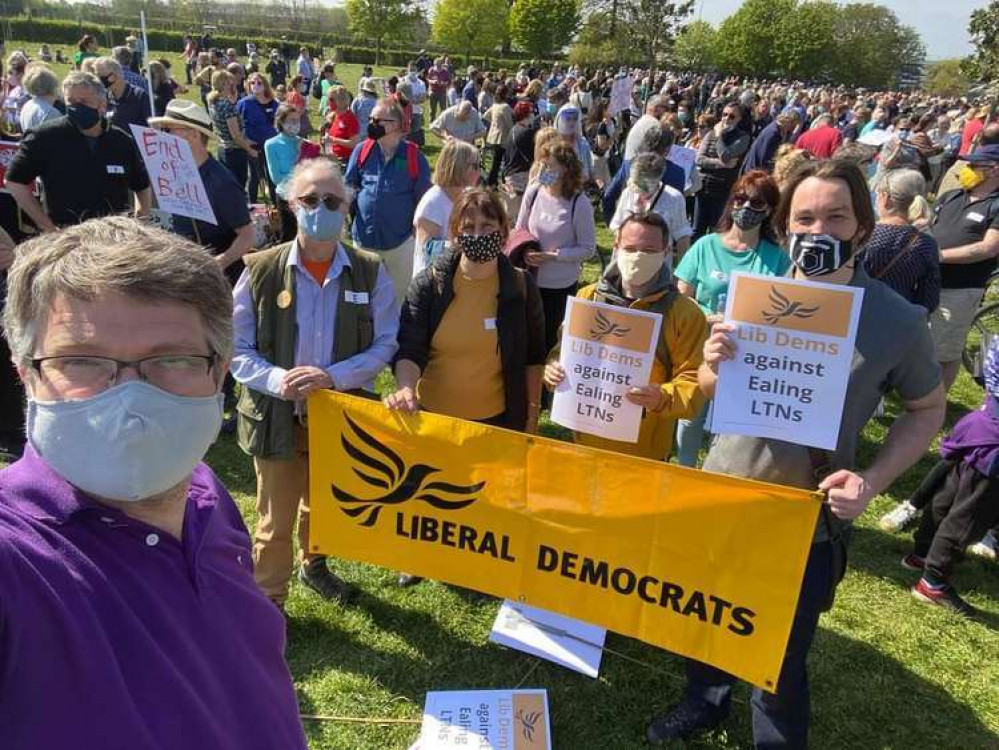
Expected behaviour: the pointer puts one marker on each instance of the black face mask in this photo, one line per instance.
(480, 248)
(819, 254)
(376, 130)
(82, 116)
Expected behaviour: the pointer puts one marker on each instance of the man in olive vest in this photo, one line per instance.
(314, 313)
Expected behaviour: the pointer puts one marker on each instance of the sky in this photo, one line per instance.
(943, 24)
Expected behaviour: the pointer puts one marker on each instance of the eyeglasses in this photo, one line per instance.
(757, 204)
(83, 376)
(310, 201)
(729, 115)
(380, 120)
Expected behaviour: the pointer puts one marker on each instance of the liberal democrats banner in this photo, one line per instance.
(704, 565)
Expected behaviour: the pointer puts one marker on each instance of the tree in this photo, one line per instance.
(543, 27)
(984, 31)
(473, 26)
(596, 46)
(748, 40)
(379, 19)
(694, 48)
(652, 25)
(805, 45)
(946, 78)
(873, 46)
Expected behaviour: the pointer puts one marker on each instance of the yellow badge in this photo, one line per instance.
(284, 300)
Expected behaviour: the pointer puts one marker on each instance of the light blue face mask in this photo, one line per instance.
(131, 442)
(319, 223)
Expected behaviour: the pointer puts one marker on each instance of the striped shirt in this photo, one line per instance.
(915, 275)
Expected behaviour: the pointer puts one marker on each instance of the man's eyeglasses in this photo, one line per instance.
(757, 204)
(84, 376)
(311, 200)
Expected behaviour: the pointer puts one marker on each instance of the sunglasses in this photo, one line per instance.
(310, 201)
(757, 204)
(380, 120)
(729, 115)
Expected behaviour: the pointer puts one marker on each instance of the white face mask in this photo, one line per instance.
(131, 442)
(291, 128)
(638, 268)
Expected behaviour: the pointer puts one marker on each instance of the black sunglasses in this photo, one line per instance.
(310, 201)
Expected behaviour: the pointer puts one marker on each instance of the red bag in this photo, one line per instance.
(308, 150)
(518, 244)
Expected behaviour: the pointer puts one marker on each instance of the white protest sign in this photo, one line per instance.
(574, 644)
(684, 157)
(606, 351)
(794, 350)
(173, 175)
(486, 720)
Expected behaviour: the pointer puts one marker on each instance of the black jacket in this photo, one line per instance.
(520, 325)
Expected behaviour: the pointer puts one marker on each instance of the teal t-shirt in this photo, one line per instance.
(708, 265)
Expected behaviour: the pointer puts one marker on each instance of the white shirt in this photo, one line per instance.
(419, 93)
(434, 206)
(671, 205)
(35, 112)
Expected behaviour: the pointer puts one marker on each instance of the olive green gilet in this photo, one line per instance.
(266, 424)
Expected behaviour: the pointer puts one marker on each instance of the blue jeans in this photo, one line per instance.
(690, 437)
(234, 159)
(780, 720)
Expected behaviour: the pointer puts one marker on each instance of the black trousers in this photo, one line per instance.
(496, 164)
(553, 302)
(962, 508)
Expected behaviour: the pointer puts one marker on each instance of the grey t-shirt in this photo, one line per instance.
(893, 352)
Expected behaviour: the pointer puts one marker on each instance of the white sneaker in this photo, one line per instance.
(987, 548)
(899, 518)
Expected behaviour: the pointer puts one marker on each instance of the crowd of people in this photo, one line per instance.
(132, 346)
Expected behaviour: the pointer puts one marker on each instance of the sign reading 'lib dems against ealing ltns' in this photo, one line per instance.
(173, 175)
(794, 349)
(606, 351)
(486, 720)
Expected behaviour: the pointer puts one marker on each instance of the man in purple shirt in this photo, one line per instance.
(129, 617)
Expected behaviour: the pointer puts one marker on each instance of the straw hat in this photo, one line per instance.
(185, 114)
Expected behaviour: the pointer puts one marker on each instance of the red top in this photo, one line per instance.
(344, 126)
(820, 142)
(317, 269)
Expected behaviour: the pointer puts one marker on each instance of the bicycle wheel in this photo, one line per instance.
(984, 328)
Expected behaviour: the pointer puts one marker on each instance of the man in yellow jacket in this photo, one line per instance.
(640, 278)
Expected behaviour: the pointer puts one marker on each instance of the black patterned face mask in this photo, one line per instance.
(480, 248)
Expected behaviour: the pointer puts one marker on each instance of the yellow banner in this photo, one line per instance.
(700, 564)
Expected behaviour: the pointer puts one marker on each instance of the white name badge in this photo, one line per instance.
(490, 324)
(116, 169)
(356, 298)
(976, 217)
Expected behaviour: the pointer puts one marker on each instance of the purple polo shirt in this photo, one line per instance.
(115, 635)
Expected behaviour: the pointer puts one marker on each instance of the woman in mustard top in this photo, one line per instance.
(471, 333)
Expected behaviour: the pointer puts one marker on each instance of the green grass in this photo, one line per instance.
(886, 671)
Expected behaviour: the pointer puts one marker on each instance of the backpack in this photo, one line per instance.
(412, 162)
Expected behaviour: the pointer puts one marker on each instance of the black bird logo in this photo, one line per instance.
(605, 327)
(390, 474)
(782, 307)
(528, 723)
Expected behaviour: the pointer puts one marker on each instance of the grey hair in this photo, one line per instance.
(114, 254)
(40, 81)
(656, 140)
(393, 109)
(905, 190)
(80, 78)
(647, 167)
(123, 56)
(109, 64)
(310, 165)
(658, 101)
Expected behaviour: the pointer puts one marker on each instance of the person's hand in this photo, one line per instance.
(403, 400)
(647, 396)
(719, 347)
(554, 374)
(299, 382)
(719, 128)
(538, 258)
(252, 152)
(848, 494)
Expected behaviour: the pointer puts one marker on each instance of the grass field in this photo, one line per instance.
(887, 672)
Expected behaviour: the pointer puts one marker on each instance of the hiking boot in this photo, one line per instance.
(685, 719)
(405, 580)
(899, 518)
(987, 548)
(321, 579)
(912, 561)
(943, 596)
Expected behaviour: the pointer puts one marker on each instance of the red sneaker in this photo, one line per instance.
(943, 596)
(912, 561)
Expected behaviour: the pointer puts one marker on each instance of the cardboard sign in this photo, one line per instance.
(570, 643)
(486, 720)
(640, 547)
(7, 152)
(794, 352)
(173, 175)
(605, 351)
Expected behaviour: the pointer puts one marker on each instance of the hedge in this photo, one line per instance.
(69, 33)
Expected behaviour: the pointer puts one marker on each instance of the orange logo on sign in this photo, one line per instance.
(798, 307)
(611, 327)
